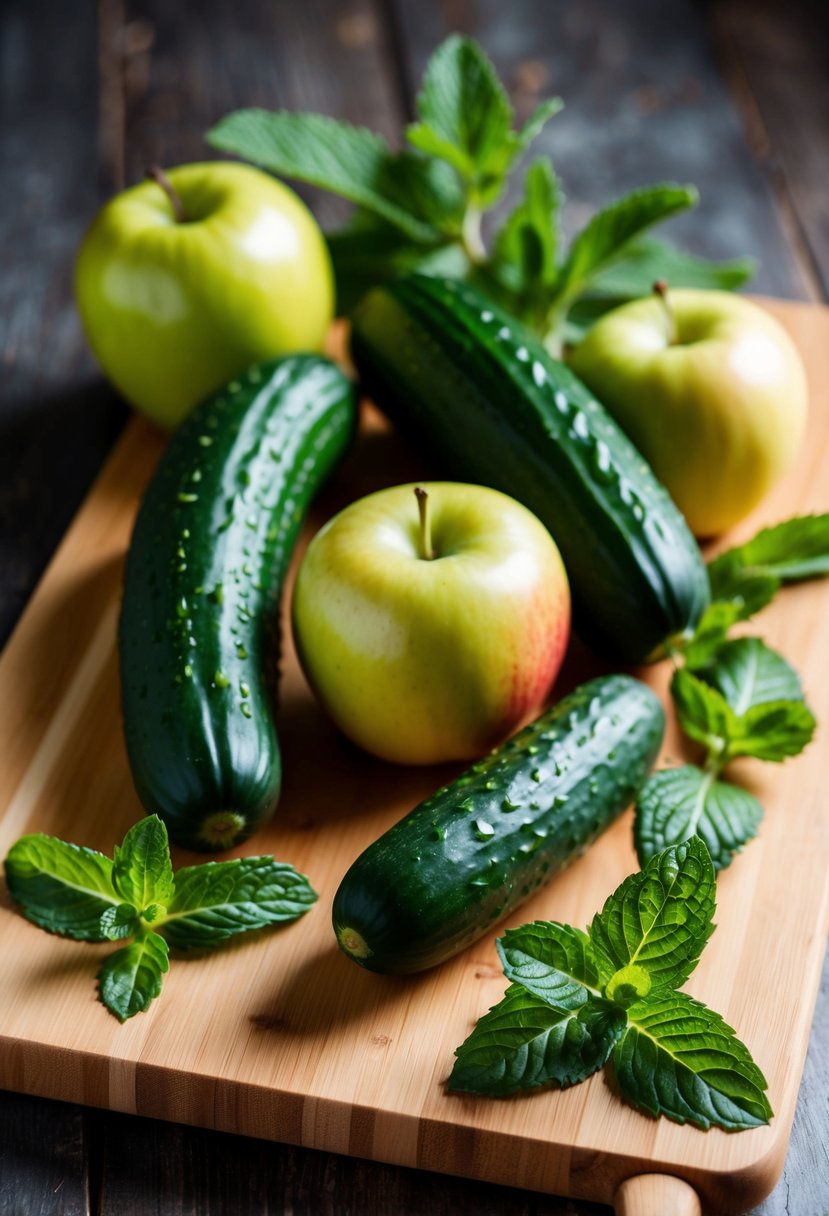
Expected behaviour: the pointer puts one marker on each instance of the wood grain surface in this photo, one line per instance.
(281, 1036)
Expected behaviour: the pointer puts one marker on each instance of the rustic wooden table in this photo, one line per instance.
(733, 96)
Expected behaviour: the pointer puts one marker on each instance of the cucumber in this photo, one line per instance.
(462, 379)
(476, 849)
(198, 633)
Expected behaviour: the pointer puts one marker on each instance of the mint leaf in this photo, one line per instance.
(350, 161)
(372, 252)
(142, 872)
(554, 962)
(711, 633)
(680, 1059)
(465, 114)
(611, 229)
(788, 552)
(61, 887)
(526, 246)
(646, 261)
(217, 899)
(120, 922)
(131, 978)
(678, 803)
(523, 1042)
(652, 929)
(537, 121)
(748, 672)
(703, 712)
(773, 731)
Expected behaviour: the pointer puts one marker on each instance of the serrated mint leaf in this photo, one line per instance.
(748, 672)
(791, 551)
(465, 114)
(703, 712)
(652, 929)
(537, 121)
(61, 887)
(678, 803)
(646, 261)
(350, 161)
(773, 731)
(611, 229)
(680, 1059)
(526, 245)
(711, 633)
(142, 872)
(217, 899)
(555, 962)
(131, 978)
(523, 1042)
(119, 922)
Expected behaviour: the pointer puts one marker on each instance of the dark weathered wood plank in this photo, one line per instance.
(43, 1158)
(644, 103)
(201, 60)
(776, 58)
(57, 419)
(151, 1167)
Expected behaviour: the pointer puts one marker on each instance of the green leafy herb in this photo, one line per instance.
(62, 887)
(788, 552)
(580, 1000)
(131, 978)
(741, 699)
(679, 803)
(79, 893)
(422, 208)
(679, 1058)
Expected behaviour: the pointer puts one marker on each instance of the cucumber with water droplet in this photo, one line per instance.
(198, 634)
(490, 405)
(466, 857)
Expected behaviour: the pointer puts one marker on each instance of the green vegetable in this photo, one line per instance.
(80, 893)
(746, 701)
(578, 1000)
(423, 209)
(198, 631)
(479, 847)
(753, 573)
(493, 407)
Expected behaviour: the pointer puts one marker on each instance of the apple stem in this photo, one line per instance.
(660, 290)
(156, 173)
(426, 550)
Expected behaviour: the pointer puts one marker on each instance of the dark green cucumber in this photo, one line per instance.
(464, 858)
(198, 633)
(461, 378)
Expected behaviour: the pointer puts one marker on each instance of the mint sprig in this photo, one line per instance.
(422, 209)
(580, 1000)
(83, 894)
(735, 697)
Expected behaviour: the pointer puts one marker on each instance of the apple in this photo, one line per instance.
(186, 279)
(431, 621)
(711, 390)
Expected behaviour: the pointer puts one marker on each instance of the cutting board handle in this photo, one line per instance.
(656, 1195)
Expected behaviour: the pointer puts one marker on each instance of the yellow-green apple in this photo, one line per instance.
(186, 279)
(431, 621)
(709, 387)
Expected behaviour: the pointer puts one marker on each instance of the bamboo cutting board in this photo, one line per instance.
(279, 1035)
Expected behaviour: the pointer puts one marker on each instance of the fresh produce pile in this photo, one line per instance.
(432, 620)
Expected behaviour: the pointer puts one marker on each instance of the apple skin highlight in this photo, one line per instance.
(420, 661)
